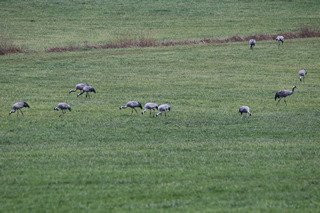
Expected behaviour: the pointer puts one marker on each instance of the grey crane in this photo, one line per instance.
(133, 105)
(16, 107)
(163, 108)
(78, 87)
(283, 94)
(150, 106)
(280, 39)
(245, 110)
(302, 74)
(252, 43)
(63, 107)
(87, 89)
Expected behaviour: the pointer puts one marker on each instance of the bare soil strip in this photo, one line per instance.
(6, 48)
(303, 33)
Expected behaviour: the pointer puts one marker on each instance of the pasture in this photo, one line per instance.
(203, 156)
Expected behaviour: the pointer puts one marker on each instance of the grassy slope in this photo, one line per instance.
(42, 24)
(202, 156)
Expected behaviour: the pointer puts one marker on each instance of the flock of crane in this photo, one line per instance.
(86, 88)
(282, 94)
(163, 108)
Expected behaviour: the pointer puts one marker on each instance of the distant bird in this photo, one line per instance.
(150, 106)
(245, 109)
(18, 106)
(283, 94)
(302, 74)
(79, 87)
(163, 108)
(280, 39)
(133, 105)
(63, 107)
(87, 89)
(252, 43)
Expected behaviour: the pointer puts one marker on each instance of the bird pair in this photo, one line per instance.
(18, 106)
(163, 108)
(279, 39)
(282, 94)
(83, 88)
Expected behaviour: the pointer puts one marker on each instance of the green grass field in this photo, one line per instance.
(203, 156)
(39, 24)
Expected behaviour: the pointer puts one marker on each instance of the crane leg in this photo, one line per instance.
(73, 90)
(80, 93)
(62, 113)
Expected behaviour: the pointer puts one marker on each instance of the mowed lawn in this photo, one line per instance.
(203, 156)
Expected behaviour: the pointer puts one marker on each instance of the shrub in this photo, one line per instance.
(8, 47)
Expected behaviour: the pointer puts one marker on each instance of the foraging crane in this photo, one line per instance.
(79, 87)
(280, 39)
(283, 94)
(252, 43)
(63, 107)
(133, 105)
(302, 74)
(87, 89)
(150, 106)
(163, 108)
(245, 109)
(18, 106)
